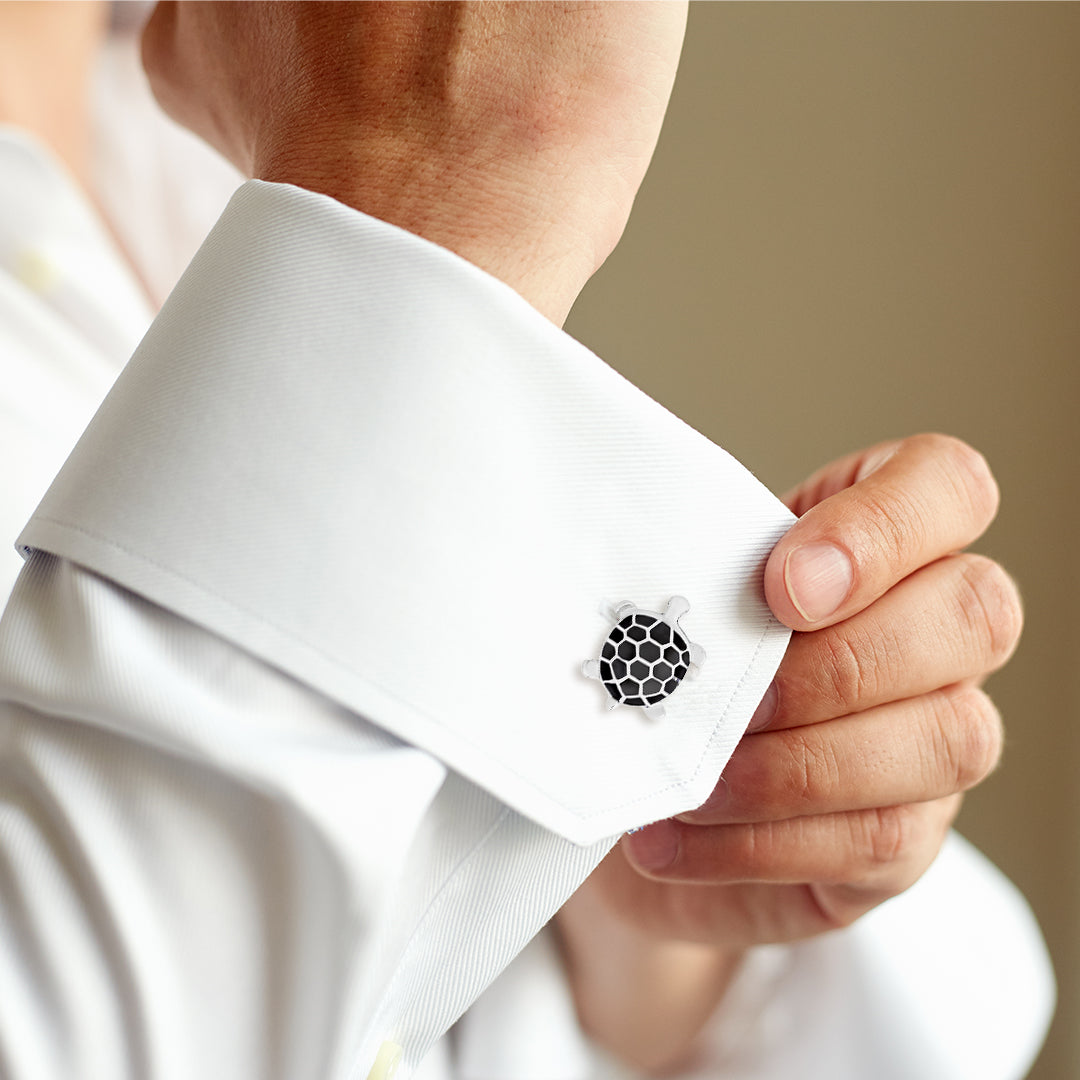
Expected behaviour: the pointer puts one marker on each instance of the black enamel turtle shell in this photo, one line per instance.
(643, 660)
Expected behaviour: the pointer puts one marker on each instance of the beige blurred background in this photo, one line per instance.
(863, 220)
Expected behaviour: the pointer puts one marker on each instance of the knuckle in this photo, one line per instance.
(856, 666)
(892, 525)
(898, 517)
(969, 471)
(974, 738)
(749, 850)
(843, 668)
(836, 907)
(990, 607)
(813, 774)
(892, 847)
(894, 520)
(889, 832)
(840, 906)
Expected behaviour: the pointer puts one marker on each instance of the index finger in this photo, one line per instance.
(932, 496)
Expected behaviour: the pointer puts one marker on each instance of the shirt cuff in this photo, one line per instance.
(372, 465)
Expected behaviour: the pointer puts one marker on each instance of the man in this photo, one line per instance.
(216, 825)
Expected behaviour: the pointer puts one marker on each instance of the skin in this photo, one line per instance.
(513, 134)
(46, 56)
(842, 795)
(516, 135)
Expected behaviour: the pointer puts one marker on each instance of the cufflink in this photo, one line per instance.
(646, 656)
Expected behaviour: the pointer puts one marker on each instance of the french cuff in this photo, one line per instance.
(372, 465)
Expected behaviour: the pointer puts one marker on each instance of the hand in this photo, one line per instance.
(842, 794)
(514, 134)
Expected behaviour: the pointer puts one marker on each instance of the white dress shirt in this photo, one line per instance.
(298, 753)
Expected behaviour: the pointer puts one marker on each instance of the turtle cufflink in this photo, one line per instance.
(646, 656)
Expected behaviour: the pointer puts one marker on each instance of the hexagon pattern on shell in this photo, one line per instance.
(645, 656)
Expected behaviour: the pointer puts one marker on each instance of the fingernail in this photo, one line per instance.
(655, 846)
(818, 578)
(875, 461)
(765, 711)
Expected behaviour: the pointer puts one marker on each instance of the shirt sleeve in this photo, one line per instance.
(948, 981)
(297, 751)
(261, 885)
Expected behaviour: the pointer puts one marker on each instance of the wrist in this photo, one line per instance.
(645, 999)
(490, 218)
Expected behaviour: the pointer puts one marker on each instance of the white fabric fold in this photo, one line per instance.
(396, 481)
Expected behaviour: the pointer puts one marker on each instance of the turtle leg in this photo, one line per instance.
(624, 609)
(676, 608)
(654, 712)
(697, 656)
(591, 669)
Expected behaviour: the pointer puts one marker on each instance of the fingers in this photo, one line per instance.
(956, 619)
(838, 475)
(843, 794)
(910, 751)
(873, 853)
(923, 498)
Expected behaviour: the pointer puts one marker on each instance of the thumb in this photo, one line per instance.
(871, 519)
